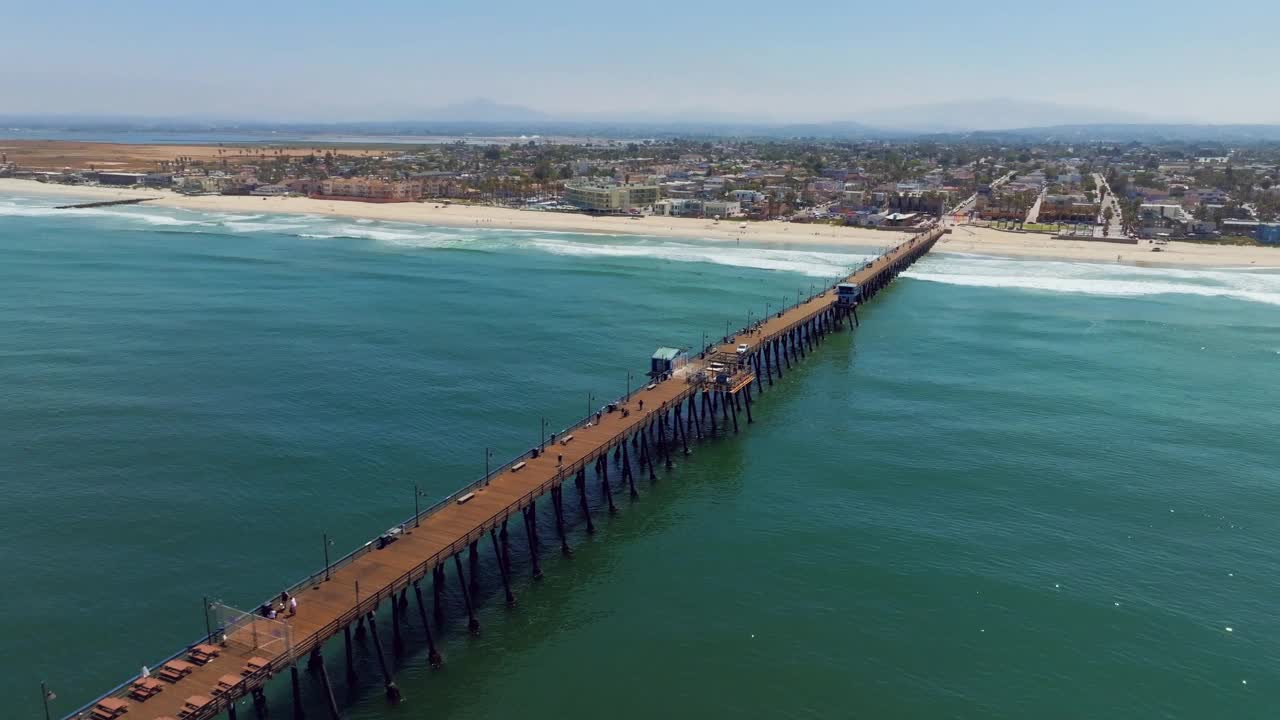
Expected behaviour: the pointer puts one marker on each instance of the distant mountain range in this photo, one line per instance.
(999, 119)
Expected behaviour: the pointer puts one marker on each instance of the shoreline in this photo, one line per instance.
(486, 216)
(963, 238)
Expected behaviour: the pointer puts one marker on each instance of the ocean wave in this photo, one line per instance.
(813, 264)
(1098, 278)
(404, 238)
(248, 226)
(12, 209)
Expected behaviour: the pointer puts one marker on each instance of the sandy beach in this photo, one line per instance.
(964, 239)
(985, 241)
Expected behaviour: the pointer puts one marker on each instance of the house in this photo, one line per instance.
(721, 208)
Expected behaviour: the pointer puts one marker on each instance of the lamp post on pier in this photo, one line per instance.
(543, 444)
(590, 400)
(487, 454)
(326, 554)
(416, 493)
(628, 395)
(46, 695)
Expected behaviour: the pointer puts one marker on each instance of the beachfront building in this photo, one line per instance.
(610, 197)
(1004, 204)
(721, 208)
(270, 190)
(372, 189)
(1068, 208)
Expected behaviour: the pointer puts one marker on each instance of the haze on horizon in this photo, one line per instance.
(1099, 60)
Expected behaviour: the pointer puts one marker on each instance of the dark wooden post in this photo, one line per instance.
(433, 656)
(351, 661)
(662, 438)
(682, 430)
(530, 532)
(506, 547)
(581, 482)
(502, 569)
(472, 623)
(393, 692)
(397, 642)
(646, 458)
(557, 506)
(298, 714)
(437, 592)
(474, 559)
(626, 471)
(328, 686)
(602, 469)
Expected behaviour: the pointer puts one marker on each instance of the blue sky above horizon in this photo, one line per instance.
(821, 60)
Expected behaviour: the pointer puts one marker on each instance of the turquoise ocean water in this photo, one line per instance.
(1020, 489)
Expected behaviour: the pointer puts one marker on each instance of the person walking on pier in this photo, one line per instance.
(293, 606)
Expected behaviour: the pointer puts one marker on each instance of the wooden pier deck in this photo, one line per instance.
(329, 607)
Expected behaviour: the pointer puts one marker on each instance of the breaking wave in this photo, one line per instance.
(1251, 285)
(813, 264)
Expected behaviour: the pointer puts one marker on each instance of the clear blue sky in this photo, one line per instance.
(816, 60)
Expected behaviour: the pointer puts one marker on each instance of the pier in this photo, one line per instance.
(625, 441)
(103, 203)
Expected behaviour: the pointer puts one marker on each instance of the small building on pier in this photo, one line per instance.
(848, 294)
(666, 360)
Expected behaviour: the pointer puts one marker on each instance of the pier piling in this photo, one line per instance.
(433, 656)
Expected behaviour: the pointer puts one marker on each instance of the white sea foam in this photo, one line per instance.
(405, 238)
(1098, 278)
(814, 264)
(247, 226)
(19, 209)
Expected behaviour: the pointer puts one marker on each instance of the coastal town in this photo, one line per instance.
(1124, 193)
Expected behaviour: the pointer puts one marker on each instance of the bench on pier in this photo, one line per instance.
(225, 684)
(254, 665)
(144, 688)
(109, 708)
(193, 705)
(465, 498)
(566, 439)
(203, 653)
(175, 670)
(518, 467)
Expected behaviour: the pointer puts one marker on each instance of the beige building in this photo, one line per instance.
(366, 188)
(610, 197)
